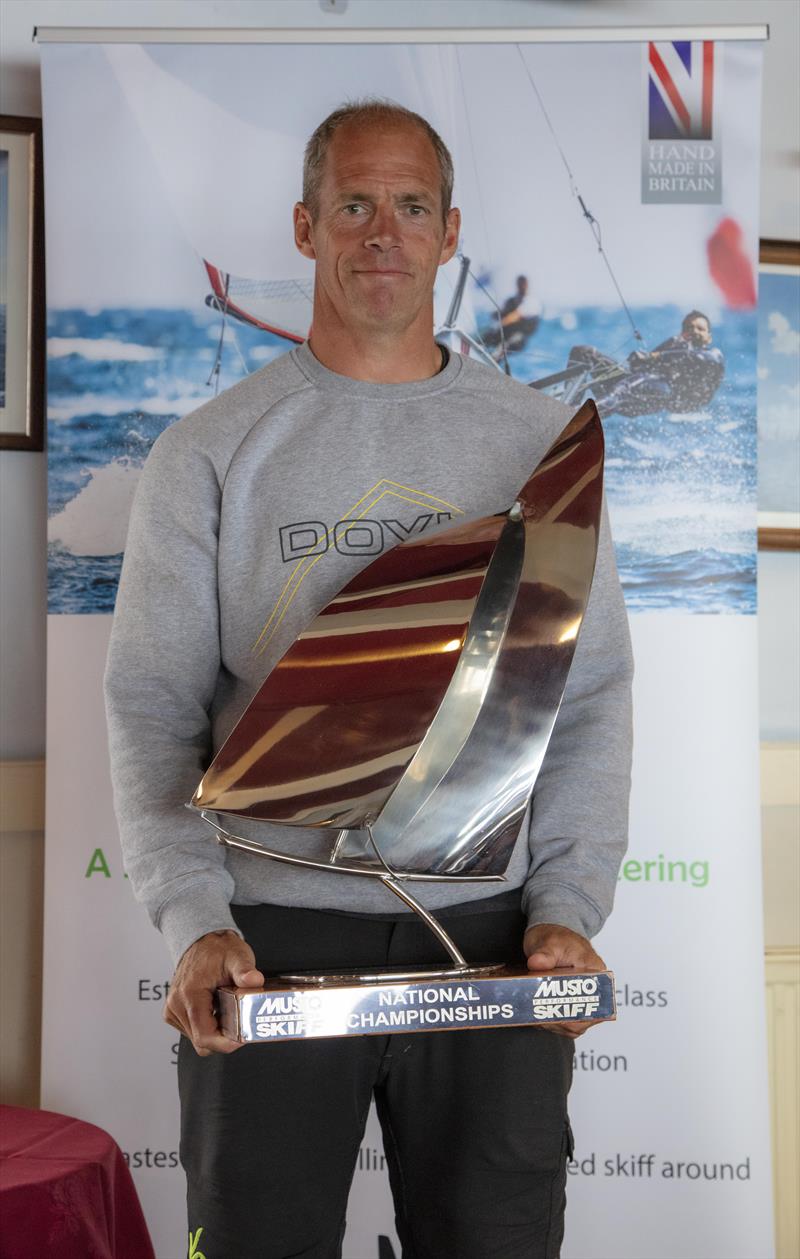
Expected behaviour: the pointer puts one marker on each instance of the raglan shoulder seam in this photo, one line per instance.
(192, 428)
(512, 403)
(259, 418)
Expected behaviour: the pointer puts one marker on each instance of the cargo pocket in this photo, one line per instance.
(558, 1197)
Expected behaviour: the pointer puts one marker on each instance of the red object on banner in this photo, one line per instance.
(730, 267)
(65, 1190)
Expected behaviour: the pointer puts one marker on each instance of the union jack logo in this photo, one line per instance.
(681, 90)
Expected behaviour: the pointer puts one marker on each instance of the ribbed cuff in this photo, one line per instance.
(555, 905)
(192, 913)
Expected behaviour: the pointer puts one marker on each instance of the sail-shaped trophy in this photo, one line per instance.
(413, 714)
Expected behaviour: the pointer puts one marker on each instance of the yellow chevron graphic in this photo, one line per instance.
(381, 489)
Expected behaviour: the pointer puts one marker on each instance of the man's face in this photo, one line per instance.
(697, 331)
(377, 235)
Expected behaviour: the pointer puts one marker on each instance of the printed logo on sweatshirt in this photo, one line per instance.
(370, 526)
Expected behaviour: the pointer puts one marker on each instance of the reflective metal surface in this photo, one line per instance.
(295, 1008)
(228, 840)
(422, 698)
(333, 728)
(466, 819)
(390, 975)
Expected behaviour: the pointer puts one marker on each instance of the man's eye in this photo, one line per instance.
(417, 210)
(353, 209)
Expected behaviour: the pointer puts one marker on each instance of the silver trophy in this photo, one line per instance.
(411, 719)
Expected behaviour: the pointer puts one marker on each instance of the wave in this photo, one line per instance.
(710, 581)
(688, 417)
(102, 349)
(62, 409)
(652, 449)
(662, 528)
(95, 521)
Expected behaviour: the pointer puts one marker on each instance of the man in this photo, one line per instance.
(687, 366)
(370, 419)
(517, 321)
(682, 374)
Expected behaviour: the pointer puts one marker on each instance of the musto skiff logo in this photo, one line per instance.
(681, 161)
(561, 997)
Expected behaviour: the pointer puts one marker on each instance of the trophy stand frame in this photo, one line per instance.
(391, 879)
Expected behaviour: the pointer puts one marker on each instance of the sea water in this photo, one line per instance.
(681, 488)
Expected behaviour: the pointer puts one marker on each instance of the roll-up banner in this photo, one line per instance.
(609, 191)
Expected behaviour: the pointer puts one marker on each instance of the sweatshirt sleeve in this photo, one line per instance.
(579, 814)
(161, 674)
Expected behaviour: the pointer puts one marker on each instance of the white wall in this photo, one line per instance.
(22, 475)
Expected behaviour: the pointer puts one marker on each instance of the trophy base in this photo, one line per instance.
(396, 974)
(330, 1005)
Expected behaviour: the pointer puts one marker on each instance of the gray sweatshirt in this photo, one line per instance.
(241, 531)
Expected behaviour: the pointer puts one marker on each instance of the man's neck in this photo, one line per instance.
(381, 360)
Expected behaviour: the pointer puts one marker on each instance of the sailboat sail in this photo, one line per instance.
(335, 725)
(420, 702)
(282, 307)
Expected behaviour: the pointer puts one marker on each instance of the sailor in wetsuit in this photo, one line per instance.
(682, 374)
(518, 319)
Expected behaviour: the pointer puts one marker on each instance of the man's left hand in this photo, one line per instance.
(550, 947)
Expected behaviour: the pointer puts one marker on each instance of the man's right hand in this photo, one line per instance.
(637, 358)
(217, 960)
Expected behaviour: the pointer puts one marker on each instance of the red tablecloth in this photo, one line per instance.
(65, 1191)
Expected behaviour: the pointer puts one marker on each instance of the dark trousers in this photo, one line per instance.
(474, 1122)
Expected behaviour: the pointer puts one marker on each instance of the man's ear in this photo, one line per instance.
(303, 230)
(452, 228)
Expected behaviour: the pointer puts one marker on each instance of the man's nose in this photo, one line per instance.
(383, 230)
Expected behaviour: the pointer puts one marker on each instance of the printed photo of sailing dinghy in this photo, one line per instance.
(515, 322)
(680, 375)
(134, 348)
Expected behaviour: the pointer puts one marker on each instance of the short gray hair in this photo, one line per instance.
(372, 109)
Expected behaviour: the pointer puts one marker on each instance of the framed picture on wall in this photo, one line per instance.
(779, 396)
(22, 342)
